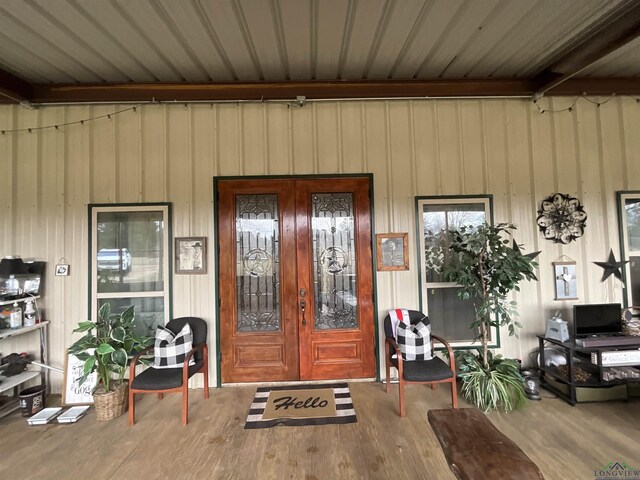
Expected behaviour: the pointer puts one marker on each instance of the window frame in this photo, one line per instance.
(423, 285)
(167, 292)
(625, 250)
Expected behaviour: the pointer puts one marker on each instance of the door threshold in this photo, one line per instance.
(298, 382)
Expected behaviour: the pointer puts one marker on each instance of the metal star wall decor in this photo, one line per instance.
(611, 267)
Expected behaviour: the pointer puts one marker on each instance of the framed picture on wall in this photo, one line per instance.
(392, 251)
(565, 280)
(191, 255)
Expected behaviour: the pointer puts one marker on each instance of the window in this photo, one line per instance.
(450, 316)
(629, 213)
(130, 261)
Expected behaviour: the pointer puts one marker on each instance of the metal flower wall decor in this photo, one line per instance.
(561, 218)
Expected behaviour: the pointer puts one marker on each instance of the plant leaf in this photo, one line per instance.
(84, 326)
(89, 365)
(119, 356)
(118, 334)
(105, 349)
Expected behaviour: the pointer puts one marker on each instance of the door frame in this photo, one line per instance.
(222, 178)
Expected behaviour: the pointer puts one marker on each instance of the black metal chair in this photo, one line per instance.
(169, 380)
(429, 371)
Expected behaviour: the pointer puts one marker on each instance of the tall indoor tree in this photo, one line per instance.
(487, 266)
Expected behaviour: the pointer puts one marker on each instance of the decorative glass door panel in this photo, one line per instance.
(334, 272)
(296, 279)
(257, 263)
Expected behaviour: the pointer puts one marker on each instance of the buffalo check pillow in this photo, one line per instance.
(171, 349)
(414, 341)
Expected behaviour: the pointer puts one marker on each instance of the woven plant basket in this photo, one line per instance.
(111, 404)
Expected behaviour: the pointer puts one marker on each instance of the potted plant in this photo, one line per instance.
(482, 261)
(107, 352)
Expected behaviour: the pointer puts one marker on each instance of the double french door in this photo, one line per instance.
(295, 279)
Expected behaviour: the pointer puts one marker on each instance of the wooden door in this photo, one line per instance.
(296, 280)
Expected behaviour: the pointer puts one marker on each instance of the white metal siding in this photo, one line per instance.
(432, 147)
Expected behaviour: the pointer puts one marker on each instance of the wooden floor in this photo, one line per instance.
(565, 442)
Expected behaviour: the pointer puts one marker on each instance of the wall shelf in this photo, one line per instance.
(13, 382)
(23, 299)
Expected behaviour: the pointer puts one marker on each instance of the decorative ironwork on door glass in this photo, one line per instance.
(257, 263)
(334, 261)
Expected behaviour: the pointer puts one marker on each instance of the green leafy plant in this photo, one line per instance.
(499, 385)
(107, 351)
(488, 268)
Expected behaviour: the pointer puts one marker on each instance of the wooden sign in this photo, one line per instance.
(74, 393)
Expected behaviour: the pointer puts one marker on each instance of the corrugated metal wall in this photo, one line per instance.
(432, 147)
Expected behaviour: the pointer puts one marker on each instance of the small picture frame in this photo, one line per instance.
(565, 280)
(392, 251)
(191, 255)
(62, 270)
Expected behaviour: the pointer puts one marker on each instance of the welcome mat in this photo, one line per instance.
(476, 450)
(301, 405)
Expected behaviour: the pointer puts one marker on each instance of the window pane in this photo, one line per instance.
(438, 219)
(258, 263)
(450, 316)
(148, 312)
(634, 268)
(334, 261)
(130, 251)
(632, 208)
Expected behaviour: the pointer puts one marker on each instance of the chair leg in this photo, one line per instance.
(388, 381)
(185, 404)
(132, 407)
(206, 372)
(160, 396)
(454, 393)
(401, 391)
(433, 386)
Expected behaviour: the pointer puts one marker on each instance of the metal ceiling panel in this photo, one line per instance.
(460, 32)
(557, 34)
(332, 29)
(154, 24)
(66, 36)
(94, 41)
(75, 20)
(393, 35)
(425, 37)
(295, 18)
(621, 63)
(221, 15)
(515, 46)
(195, 33)
(126, 33)
(367, 21)
(488, 36)
(24, 63)
(263, 34)
(29, 34)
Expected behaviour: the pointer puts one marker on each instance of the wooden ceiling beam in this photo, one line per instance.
(14, 89)
(616, 32)
(185, 92)
(204, 92)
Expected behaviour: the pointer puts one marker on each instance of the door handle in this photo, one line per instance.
(303, 304)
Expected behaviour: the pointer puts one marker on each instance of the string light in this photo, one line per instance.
(571, 107)
(57, 126)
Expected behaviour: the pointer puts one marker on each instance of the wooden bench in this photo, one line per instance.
(476, 450)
